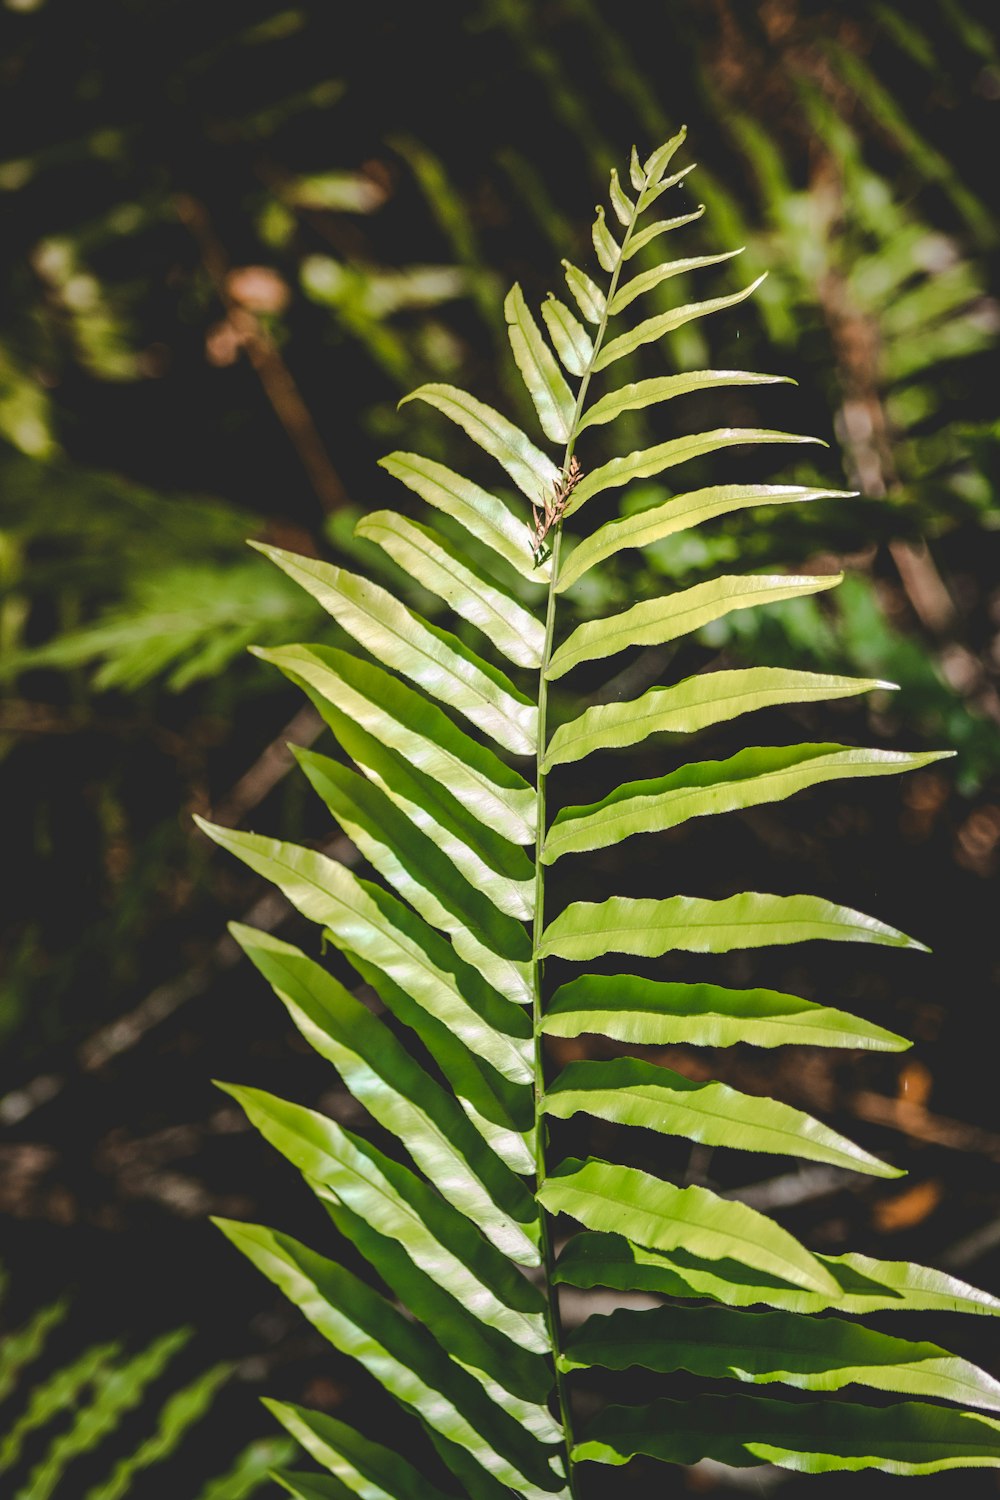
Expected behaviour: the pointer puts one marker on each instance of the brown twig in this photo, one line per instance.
(22, 716)
(126, 1031)
(274, 375)
(270, 767)
(921, 1125)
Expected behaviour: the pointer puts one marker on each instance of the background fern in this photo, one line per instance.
(444, 821)
(94, 1421)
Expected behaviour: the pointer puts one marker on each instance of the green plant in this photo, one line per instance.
(66, 1419)
(449, 824)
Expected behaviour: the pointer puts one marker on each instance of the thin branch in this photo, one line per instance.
(274, 375)
(919, 1123)
(125, 1032)
(270, 767)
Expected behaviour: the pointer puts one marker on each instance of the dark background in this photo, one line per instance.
(233, 238)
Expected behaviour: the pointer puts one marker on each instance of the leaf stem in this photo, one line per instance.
(551, 1295)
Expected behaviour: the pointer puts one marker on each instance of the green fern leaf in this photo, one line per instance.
(762, 1348)
(694, 704)
(644, 393)
(432, 561)
(589, 297)
(654, 328)
(754, 776)
(546, 384)
(632, 1092)
(483, 515)
(359, 1466)
(909, 1438)
(649, 1013)
(864, 1285)
(461, 1324)
(570, 339)
(342, 686)
(661, 226)
(604, 1196)
(681, 514)
(655, 621)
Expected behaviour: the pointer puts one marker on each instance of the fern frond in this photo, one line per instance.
(73, 1415)
(456, 953)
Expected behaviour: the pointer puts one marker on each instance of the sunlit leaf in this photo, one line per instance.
(647, 281)
(412, 860)
(644, 393)
(434, 562)
(399, 1094)
(657, 161)
(650, 928)
(545, 382)
(404, 721)
(695, 704)
(360, 1322)
(647, 462)
(491, 865)
(369, 922)
(484, 516)
(655, 1213)
(605, 245)
(436, 660)
(629, 1091)
(654, 328)
(662, 226)
(654, 1013)
(748, 779)
(572, 342)
(679, 514)
(398, 1203)
(530, 469)
(620, 201)
(655, 621)
(589, 297)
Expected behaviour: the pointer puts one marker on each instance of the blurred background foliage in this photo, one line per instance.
(234, 238)
(130, 1410)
